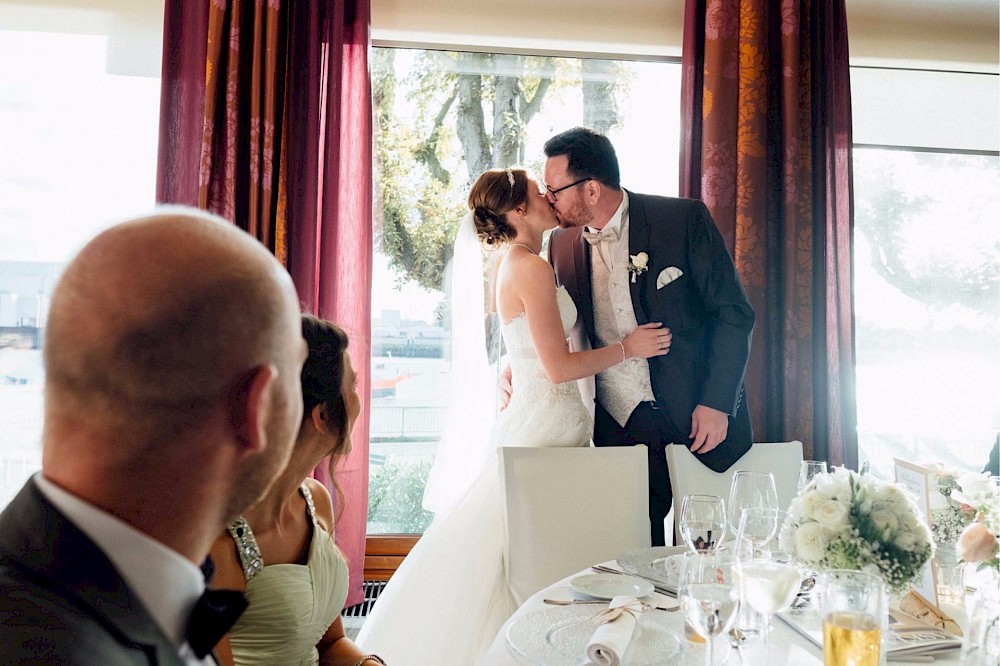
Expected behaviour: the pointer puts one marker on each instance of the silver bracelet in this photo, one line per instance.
(367, 657)
(622, 345)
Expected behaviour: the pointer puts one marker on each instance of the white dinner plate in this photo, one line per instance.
(659, 563)
(559, 636)
(609, 586)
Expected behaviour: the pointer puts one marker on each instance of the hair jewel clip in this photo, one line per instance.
(510, 177)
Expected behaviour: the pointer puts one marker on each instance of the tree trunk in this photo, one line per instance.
(508, 130)
(600, 110)
(469, 122)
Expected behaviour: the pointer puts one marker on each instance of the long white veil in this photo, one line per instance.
(466, 446)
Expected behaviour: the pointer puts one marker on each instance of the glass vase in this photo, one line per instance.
(981, 643)
(949, 575)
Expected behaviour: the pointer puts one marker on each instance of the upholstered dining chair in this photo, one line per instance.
(688, 476)
(569, 508)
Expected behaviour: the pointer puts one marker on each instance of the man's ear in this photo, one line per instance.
(593, 190)
(249, 406)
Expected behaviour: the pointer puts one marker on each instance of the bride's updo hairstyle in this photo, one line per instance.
(493, 195)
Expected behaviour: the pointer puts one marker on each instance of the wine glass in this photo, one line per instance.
(703, 521)
(707, 590)
(768, 585)
(750, 490)
(808, 469)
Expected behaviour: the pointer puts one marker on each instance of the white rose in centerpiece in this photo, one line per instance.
(885, 520)
(810, 541)
(906, 540)
(831, 513)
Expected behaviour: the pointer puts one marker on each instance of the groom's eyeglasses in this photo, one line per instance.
(552, 193)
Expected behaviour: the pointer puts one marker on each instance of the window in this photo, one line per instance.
(927, 269)
(79, 142)
(442, 119)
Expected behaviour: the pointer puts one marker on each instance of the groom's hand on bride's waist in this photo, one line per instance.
(708, 428)
(506, 389)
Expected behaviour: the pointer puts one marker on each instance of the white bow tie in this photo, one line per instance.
(603, 236)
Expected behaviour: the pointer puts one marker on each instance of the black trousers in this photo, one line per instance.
(646, 425)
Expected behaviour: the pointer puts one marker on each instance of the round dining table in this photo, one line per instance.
(787, 646)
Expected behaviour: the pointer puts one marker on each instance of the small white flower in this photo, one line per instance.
(906, 541)
(640, 260)
(810, 542)
(831, 513)
(885, 520)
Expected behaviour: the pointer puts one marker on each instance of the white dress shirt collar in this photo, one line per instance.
(166, 582)
(616, 221)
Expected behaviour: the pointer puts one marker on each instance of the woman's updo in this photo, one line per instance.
(493, 195)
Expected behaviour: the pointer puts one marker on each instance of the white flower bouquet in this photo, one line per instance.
(948, 516)
(979, 542)
(842, 520)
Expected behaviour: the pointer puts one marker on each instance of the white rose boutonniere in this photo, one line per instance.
(637, 264)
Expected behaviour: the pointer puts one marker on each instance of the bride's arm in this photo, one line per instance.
(534, 282)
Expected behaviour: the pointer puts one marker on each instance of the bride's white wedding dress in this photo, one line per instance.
(450, 597)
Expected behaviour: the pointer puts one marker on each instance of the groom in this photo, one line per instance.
(628, 259)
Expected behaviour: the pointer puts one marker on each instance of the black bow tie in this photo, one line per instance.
(214, 614)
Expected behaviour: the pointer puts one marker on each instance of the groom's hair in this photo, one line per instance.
(590, 155)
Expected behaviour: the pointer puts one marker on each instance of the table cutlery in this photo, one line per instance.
(573, 602)
(656, 584)
(738, 639)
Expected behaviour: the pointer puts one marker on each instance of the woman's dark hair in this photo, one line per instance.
(323, 378)
(492, 196)
(590, 155)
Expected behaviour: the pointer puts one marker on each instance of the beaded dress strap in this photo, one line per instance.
(309, 503)
(246, 546)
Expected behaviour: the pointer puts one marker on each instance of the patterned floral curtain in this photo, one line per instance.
(265, 119)
(767, 145)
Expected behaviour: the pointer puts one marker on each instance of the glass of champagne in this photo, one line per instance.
(768, 585)
(855, 614)
(707, 590)
(703, 521)
(808, 469)
(750, 490)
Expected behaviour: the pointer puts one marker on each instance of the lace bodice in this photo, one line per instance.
(540, 413)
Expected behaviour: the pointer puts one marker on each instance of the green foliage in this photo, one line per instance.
(395, 496)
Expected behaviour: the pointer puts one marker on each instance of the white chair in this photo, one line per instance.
(689, 476)
(569, 508)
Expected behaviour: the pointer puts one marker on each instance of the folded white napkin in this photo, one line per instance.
(672, 567)
(610, 641)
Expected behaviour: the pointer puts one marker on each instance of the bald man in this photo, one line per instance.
(172, 358)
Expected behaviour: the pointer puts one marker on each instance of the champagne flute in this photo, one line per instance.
(808, 469)
(766, 585)
(750, 490)
(707, 590)
(703, 521)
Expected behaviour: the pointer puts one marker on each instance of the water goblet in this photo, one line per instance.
(707, 590)
(808, 469)
(768, 581)
(703, 521)
(750, 490)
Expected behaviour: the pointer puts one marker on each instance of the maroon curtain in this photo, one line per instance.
(266, 120)
(766, 143)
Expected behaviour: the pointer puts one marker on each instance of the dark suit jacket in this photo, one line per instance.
(706, 309)
(61, 600)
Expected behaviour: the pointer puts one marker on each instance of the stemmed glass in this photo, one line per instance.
(703, 521)
(707, 590)
(808, 469)
(750, 490)
(766, 584)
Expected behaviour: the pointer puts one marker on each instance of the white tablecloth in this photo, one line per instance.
(787, 646)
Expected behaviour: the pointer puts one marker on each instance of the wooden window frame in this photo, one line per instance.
(385, 552)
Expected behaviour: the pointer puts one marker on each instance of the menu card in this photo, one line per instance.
(915, 479)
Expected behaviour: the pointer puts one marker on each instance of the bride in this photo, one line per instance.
(449, 598)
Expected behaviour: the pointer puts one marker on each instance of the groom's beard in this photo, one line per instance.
(577, 215)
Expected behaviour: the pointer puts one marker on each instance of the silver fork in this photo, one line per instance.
(573, 602)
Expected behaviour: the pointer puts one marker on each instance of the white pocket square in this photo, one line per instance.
(668, 275)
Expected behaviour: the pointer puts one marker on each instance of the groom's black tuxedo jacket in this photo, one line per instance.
(61, 599)
(706, 309)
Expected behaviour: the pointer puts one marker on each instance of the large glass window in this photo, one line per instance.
(927, 306)
(442, 119)
(79, 147)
